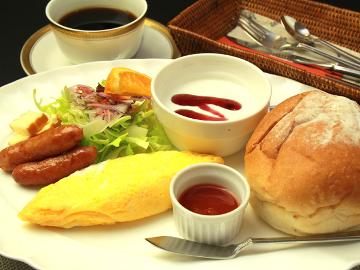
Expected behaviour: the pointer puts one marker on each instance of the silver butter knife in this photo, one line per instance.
(195, 249)
(327, 65)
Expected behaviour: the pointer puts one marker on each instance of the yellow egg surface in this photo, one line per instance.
(118, 190)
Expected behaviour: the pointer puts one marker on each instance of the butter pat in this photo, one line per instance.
(29, 123)
(17, 137)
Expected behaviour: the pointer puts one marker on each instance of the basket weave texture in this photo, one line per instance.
(198, 28)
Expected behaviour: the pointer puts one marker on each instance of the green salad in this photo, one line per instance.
(115, 125)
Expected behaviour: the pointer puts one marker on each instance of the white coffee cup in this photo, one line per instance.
(95, 45)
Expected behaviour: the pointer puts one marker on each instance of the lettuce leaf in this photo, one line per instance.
(136, 132)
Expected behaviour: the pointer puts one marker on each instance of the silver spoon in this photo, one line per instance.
(302, 34)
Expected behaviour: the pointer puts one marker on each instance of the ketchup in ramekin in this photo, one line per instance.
(208, 199)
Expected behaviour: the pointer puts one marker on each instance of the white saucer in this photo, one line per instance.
(41, 52)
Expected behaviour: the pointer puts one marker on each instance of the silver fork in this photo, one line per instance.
(261, 35)
(271, 40)
(195, 249)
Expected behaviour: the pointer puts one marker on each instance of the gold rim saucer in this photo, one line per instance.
(30, 42)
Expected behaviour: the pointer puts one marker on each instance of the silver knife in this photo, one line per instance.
(326, 65)
(350, 75)
(195, 249)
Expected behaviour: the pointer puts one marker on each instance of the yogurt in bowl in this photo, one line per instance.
(210, 103)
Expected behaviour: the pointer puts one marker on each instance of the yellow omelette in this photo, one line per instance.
(118, 190)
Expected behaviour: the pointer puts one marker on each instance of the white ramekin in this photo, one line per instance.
(210, 229)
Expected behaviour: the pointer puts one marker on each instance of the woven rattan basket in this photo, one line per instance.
(198, 28)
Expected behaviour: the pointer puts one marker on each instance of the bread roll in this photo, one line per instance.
(303, 164)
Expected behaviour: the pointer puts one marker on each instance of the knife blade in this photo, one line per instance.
(248, 44)
(260, 48)
(190, 248)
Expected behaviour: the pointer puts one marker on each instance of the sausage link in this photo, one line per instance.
(49, 143)
(53, 169)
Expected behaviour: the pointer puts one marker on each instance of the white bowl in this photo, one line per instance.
(214, 75)
(211, 229)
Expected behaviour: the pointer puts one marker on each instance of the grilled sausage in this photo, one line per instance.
(49, 143)
(53, 169)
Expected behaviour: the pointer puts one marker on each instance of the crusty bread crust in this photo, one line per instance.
(326, 220)
(303, 164)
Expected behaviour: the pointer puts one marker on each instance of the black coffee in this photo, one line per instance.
(97, 18)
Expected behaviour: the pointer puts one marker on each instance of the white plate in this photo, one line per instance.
(42, 53)
(123, 246)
